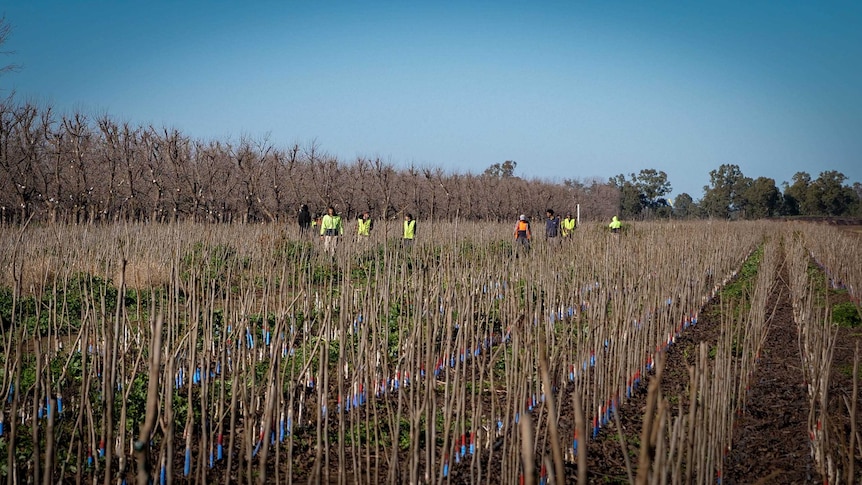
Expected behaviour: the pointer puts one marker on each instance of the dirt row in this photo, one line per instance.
(770, 437)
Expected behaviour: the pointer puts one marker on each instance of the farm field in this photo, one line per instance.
(676, 352)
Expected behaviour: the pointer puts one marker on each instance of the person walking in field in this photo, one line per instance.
(303, 219)
(409, 230)
(330, 229)
(364, 226)
(552, 228)
(522, 234)
(615, 225)
(568, 226)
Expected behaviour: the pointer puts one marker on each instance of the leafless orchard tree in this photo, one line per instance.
(217, 180)
(291, 162)
(5, 32)
(277, 190)
(251, 162)
(112, 162)
(363, 192)
(384, 179)
(82, 177)
(131, 200)
(324, 172)
(21, 160)
(154, 169)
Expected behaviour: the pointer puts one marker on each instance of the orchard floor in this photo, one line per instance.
(770, 438)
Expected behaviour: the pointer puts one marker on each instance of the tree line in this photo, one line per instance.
(78, 168)
(82, 169)
(732, 195)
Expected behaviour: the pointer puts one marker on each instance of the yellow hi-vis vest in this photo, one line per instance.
(409, 229)
(364, 228)
(331, 226)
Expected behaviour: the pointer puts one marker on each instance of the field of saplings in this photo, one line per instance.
(673, 352)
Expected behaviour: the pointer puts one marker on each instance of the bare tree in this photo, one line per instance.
(20, 161)
(360, 177)
(293, 174)
(111, 161)
(155, 171)
(54, 168)
(82, 174)
(250, 158)
(384, 179)
(177, 150)
(5, 32)
(275, 182)
(215, 181)
(324, 172)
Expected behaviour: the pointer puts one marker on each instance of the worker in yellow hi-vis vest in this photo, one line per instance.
(409, 230)
(364, 225)
(568, 225)
(330, 229)
(615, 225)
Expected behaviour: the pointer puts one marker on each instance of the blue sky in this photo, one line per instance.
(566, 89)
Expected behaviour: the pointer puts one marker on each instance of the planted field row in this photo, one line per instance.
(825, 274)
(682, 429)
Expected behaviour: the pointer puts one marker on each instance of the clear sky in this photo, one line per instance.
(567, 89)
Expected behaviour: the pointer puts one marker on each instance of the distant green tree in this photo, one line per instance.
(857, 206)
(502, 170)
(796, 196)
(825, 196)
(630, 197)
(643, 194)
(684, 207)
(832, 196)
(724, 197)
(762, 198)
(654, 185)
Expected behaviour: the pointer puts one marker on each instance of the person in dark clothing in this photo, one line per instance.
(552, 227)
(303, 219)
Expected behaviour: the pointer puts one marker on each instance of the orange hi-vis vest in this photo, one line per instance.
(522, 229)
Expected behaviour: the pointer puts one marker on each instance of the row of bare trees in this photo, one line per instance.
(77, 168)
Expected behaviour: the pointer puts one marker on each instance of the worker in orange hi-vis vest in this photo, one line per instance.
(522, 233)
